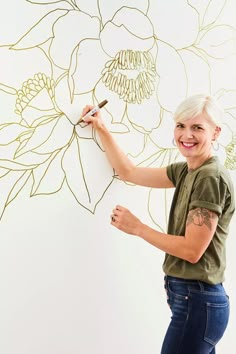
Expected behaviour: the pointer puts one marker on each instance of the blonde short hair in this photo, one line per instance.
(198, 104)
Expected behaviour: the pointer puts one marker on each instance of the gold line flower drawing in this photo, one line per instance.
(77, 53)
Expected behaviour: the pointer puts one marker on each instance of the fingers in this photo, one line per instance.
(116, 214)
(117, 210)
(95, 118)
(86, 109)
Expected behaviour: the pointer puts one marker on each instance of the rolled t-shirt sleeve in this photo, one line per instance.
(209, 193)
(174, 170)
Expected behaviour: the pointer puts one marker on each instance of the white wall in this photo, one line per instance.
(69, 282)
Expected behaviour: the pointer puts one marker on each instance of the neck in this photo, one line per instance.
(193, 164)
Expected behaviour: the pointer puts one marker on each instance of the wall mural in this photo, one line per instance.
(78, 52)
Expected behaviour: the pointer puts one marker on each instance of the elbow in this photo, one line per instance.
(193, 257)
(193, 260)
(126, 175)
(122, 176)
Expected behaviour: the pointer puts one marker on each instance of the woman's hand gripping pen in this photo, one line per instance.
(95, 119)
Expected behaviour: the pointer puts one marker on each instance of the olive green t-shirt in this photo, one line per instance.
(210, 187)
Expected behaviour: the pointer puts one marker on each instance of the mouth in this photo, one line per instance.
(188, 145)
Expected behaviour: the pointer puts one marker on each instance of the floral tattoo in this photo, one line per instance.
(200, 216)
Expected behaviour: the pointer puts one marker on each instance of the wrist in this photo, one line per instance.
(141, 230)
(100, 126)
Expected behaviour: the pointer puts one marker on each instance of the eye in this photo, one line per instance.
(197, 127)
(179, 125)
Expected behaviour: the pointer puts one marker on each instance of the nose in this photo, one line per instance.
(188, 134)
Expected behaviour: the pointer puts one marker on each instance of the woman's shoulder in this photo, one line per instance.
(214, 169)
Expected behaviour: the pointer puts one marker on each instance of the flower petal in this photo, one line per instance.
(230, 161)
(87, 172)
(223, 73)
(109, 11)
(197, 71)
(85, 82)
(128, 146)
(172, 88)
(175, 22)
(115, 108)
(41, 32)
(227, 99)
(218, 42)
(90, 7)
(18, 65)
(145, 116)
(163, 135)
(131, 36)
(72, 109)
(78, 26)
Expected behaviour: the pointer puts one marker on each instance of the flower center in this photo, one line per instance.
(31, 88)
(131, 75)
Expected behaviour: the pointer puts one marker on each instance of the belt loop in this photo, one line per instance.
(201, 286)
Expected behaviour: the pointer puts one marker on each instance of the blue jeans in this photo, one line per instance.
(200, 314)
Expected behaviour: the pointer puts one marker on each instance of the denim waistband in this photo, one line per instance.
(196, 284)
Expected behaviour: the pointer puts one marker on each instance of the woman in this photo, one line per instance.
(201, 210)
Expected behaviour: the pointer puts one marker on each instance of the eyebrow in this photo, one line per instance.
(198, 125)
(194, 125)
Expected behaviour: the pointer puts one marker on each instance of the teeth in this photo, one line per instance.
(188, 144)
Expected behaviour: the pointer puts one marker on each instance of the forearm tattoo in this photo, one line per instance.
(201, 216)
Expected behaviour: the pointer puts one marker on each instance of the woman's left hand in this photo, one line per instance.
(125, 221)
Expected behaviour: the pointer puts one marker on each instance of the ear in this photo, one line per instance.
(217, 132)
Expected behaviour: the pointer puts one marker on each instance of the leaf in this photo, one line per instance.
(87, 172)
(48, 177)
(41, 31)
(59, 137)
(72, 70)
(48, 137)
(15, 166)
(161, 158)
(3, 172)
(7, 89)
(19, 185)
(8, 188)
(10, 132)
(41, 133)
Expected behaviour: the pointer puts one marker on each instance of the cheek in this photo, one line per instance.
(175, 134)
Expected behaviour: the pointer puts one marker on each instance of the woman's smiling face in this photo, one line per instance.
(194, 138)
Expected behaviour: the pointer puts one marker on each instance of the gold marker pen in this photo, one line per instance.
(93, 111)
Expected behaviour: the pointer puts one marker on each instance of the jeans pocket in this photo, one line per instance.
(178, 290)
(177, 298)
(217, 320)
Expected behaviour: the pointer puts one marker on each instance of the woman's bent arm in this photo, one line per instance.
(124, 167)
